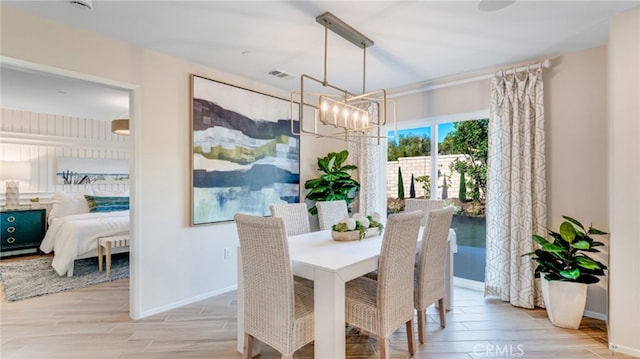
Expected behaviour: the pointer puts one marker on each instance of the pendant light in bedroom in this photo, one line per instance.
(120, 126)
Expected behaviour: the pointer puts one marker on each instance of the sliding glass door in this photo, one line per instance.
(445, 159)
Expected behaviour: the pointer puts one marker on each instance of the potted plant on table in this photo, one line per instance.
(567, 270)
(335, 184)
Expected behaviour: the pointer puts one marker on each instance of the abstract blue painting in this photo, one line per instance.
(244, 155)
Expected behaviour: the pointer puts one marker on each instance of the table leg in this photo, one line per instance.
(329, 317)
(451, 249)
(108, 255)
(448, 273)
(99, 256)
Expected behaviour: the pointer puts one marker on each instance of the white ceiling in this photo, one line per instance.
(416, 42)
(46, 93)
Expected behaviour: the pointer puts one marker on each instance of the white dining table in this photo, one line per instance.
(330, 264)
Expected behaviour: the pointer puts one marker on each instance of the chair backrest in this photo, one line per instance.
(396, 268)
(431, 260)
(330, 212)
(268, 279)
(295, 215)
(424, 205)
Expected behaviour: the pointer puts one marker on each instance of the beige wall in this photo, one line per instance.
(468, 97)
(576, 148)
(624, 174)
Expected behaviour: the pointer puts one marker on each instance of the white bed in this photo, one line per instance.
(73, 231)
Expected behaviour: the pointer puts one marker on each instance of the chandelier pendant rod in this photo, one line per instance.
(364, 67)
(326, 32)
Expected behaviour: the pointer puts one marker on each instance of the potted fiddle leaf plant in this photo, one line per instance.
(566, 270)
(335, 183)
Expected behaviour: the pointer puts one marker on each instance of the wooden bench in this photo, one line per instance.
(107, 243)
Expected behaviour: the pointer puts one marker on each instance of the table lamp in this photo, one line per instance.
(12, 172)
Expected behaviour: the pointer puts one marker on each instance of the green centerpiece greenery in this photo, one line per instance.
(359, 223)
(335, 183)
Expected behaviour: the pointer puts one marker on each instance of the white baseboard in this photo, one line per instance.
(183, 302)
(479, 286)
(595, 315)
(468, 283)
(634, 352)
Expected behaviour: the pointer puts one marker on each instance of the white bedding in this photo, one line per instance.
(72, 236)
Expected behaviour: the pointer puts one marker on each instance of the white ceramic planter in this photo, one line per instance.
(565, 302)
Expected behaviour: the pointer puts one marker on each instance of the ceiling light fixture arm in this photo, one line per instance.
(356, 117)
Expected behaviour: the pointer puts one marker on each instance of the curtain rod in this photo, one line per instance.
(546, 63)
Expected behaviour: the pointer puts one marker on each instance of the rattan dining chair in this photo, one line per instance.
(296, 221)
(380, 307)
(295, 215)
(277, 312)
(330, 212)
(424, 205)
(430, 267)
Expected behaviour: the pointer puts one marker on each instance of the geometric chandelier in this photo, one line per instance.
(326, 110)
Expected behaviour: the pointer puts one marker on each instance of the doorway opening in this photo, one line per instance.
(51, 113)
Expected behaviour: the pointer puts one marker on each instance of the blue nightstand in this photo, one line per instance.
(21, 231)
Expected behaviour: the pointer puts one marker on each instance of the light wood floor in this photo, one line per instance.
(94, 323)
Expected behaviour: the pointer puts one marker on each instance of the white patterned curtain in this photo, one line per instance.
(365, 157)
(365, 154)
(516, 187)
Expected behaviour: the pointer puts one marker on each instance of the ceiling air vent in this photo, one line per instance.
(280, 74)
